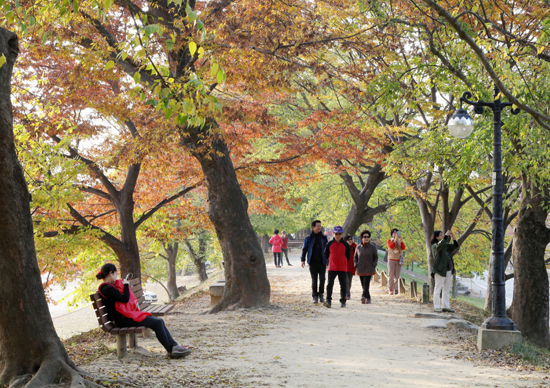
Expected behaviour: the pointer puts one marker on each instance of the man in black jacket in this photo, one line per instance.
(314, 248)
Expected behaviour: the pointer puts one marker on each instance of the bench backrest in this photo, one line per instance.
(101, 313)
(135, 286)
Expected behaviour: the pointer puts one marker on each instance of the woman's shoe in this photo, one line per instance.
(448, 311)
(179, 351)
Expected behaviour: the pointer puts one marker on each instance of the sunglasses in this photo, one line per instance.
(365, 237)
(337, 234)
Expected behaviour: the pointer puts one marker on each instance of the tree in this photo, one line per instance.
(31, 346)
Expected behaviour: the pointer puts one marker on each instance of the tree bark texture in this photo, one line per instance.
(171, 250)
(529, 309)
(29, 346)
(246, 283)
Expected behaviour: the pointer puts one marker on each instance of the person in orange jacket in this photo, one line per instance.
(396, 246)
(337, 251)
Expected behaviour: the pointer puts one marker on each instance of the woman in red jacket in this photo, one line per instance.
(110, 295)
(337, 251)
(351, 267)
(277, 243)
(396, 246)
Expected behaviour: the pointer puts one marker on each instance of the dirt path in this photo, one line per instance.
(302, 345)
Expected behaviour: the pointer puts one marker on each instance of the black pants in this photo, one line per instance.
(365, 282)
(317, 270)
(342, 279)
(285, 251)
(348, 289)
(277, 259)
(157, 325)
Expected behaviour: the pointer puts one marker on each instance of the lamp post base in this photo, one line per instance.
(496, 339)
(499, 323)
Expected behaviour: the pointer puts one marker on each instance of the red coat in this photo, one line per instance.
(338, 255)
(351, 267)
(277, 242)
(285, 242)
(130, 309)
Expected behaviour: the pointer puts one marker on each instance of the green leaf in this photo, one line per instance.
(2, 60)
(214, 69)
(192, 48)
(137, 77)
(109, 65)
(220, 76)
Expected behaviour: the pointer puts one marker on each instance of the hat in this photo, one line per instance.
(338, 229)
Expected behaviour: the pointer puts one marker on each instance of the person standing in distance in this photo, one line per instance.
(284, 248)
(396, 246)
(277, 242)
(338, 253)
(443, 269)
(314, 248)
(365, 261)
(351, 267)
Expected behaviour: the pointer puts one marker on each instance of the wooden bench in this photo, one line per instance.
(109, 327)
(157, 310)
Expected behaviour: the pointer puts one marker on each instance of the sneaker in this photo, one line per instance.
(368, 300)
(363, 300)
(390, 292)
(438, 310)
(179, 351)
(347, 297)
(315, 299)
(448, 310)
(290, 265)
(396, 292)
(321, 299)
(342, 305)
(327, 304)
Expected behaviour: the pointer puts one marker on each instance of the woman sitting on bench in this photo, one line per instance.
(110, 295)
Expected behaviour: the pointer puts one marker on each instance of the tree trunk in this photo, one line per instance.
(171, 251)
(201, 263)
(428, 227)
(29, 344)
(246, 283)
(129, 261)
(265, 243)
(529, 308)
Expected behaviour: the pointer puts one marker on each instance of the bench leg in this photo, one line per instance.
(132, 339)
(121, 350)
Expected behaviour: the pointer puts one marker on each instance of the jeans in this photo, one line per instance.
(317, 270)
(157, 325)
(285, 251)
(342, 279)
(365, 282)
(348, 289)
(277, 259)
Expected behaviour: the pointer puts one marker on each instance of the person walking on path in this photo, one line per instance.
(396, 246)
(338, 253)
(365, 261)
(314, 249)
(116, 295)
(351, 267)
(443, 269)
(284, 248)
(277, 243)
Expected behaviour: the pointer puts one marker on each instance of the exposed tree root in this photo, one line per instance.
(52, 371)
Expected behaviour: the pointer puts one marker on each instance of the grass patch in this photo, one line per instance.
(477, 302)
(469, 311)
(532, 354)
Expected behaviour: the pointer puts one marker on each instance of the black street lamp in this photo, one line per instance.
(461, 125)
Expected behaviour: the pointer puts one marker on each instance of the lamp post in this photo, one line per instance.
(461, 125)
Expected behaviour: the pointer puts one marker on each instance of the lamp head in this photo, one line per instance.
(461, 124)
